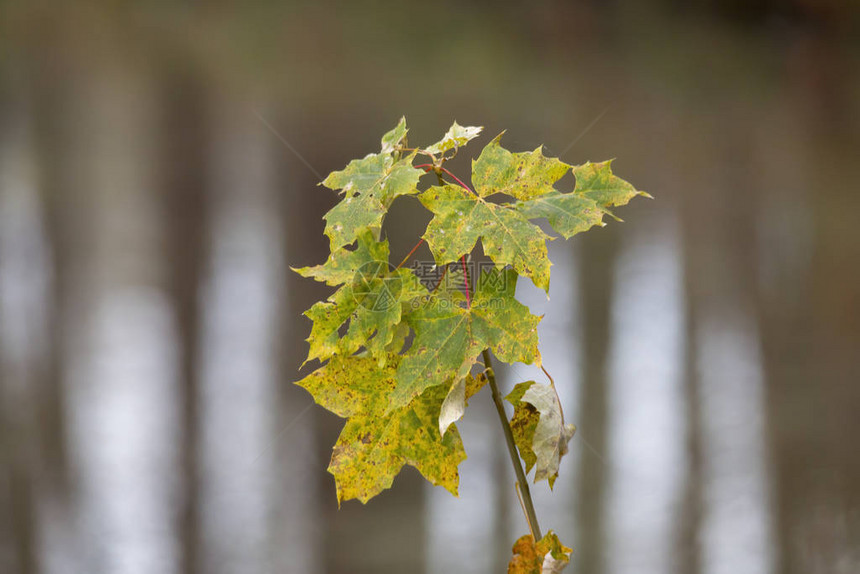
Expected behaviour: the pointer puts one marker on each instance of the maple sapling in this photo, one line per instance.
(402, 350)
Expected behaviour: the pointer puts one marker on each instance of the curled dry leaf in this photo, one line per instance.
(548, 556)
(539, 428)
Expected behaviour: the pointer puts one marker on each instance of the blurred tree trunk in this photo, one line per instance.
(19, 444)
(808, 301)
(186, 208)
(698, 241)
(834, 284)
(302, 205)
(596, 271)
(17, 500)
(717, 239)
(688, 555)
(8, 543)
(35, 427)
(59, 200)
(792, 408)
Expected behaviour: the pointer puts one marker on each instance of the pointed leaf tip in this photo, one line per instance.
(392, 139)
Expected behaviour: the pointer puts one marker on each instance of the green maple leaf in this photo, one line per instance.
(449, 336)
(343, 263)
(539, 429)
(548, 556)
(522, 175)
(376, 443)
(461, 218)
(346, 219)
(457, 136)
(360, 175)
(567, 213)
(369, 186)
(597, 182)
(597, 189)
(371, 299)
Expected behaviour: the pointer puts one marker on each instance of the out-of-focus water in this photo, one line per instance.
(724, 442)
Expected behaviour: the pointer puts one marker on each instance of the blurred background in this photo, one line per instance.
(158, 171)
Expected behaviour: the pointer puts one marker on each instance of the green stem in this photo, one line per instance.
(531, 516)
(522, 481)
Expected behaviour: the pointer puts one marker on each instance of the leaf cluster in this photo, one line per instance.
(396, 355)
